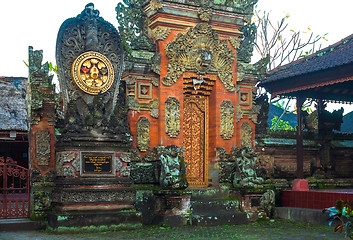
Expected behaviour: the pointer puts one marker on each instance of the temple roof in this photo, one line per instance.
(326, 74)
(334, 55)
(13, 111)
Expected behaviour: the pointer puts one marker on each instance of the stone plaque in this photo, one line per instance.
(97, 163)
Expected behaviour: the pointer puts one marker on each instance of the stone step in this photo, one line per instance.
(220, 218)
(206, 206)
(209, 193)
(20, 224)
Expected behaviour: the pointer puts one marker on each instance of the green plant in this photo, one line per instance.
(281, 124)
(342, 214)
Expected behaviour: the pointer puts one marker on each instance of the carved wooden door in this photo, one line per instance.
(195, 141)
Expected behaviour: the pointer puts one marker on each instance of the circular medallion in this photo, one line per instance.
(93, 73)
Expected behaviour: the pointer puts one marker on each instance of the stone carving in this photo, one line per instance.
(143, 134)
(133, 24)
(267, 202)
(43, 152)
(246, 71)
(234, 41)
(246, 48)
(200, 50)
(131, 156)
(173, 167)
(118, 164)
(154, 105)
(245, 174)
(161, 33)
(42, 88)
(173, 171)
(246, 135)
(227, 120)
(132, 103)
(205, 14)
(91, 115)
(61, 164)
(262, 116)
(172, 117)
(125, 171)
(93, 196)
(156, 67)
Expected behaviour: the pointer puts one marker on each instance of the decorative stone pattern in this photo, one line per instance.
(161, 33)
(234, 41)
(205, 14)
(246, 135)
(145, 90)
(93, 196)
(133, 24)
(154, 111)
(43, 147)
(104, 113)
(172, 117)
(131, 156)
(201, 51)
(62, 166)
(143, 134)
(125, 171)
(118, 164)
(227, 120)
(246, 48)
(42, 89)
(156, 68)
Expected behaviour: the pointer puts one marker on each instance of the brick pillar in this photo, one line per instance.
(42, 117)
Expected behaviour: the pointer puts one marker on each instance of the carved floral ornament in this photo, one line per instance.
(201, 51)
(227, 120)
(143, 134)
(172, 117)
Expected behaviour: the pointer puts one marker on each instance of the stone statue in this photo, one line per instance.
(245, 174)
(267, 202)
(173, 168)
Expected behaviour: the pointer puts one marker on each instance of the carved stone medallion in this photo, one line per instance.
(172, 117)
(246, 134)
(227, 120)
(201, 51)
(92, 72)
(43, 147)
(143, 134)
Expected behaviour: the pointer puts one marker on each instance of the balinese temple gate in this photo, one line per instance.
(174, 85)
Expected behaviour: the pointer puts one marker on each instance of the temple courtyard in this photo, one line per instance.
(274, 229)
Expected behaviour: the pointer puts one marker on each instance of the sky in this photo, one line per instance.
(36, 23)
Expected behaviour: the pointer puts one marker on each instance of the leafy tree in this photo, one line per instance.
(283, 45)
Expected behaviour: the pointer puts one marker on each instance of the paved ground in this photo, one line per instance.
(260, 230)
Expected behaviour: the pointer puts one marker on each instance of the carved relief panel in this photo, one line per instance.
(172, 117)
(246, 134)
(143, 134)
(227, 120)
(43, 147)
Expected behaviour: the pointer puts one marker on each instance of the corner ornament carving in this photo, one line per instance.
(143, 134)
(201, 51)
(227, 120)
(172, 117)
(161, 33)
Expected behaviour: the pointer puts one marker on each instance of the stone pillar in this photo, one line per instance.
(42, 119)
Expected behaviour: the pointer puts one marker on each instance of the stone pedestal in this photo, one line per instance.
(173, 207)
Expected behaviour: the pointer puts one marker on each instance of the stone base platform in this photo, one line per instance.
(93, 201)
